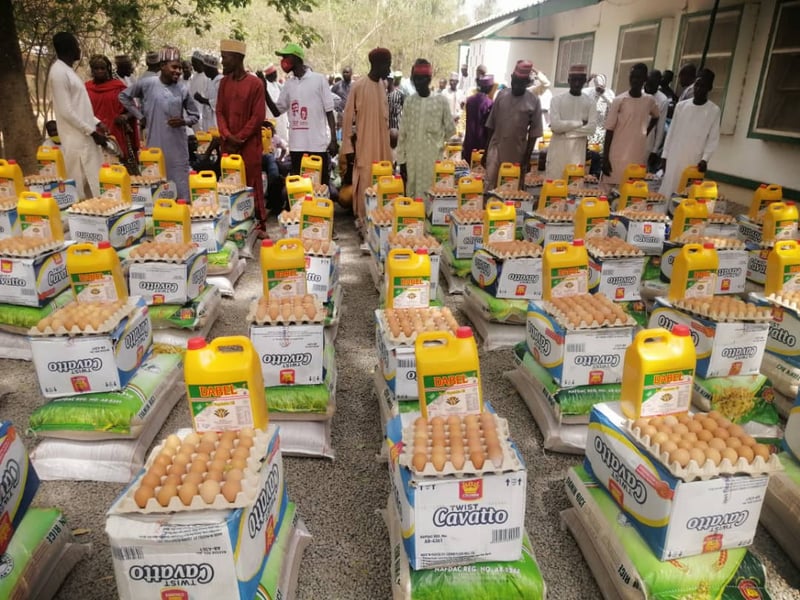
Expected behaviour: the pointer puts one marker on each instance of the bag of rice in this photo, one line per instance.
(223, 262)
(226, 282)
(109, 415)
(15, 346)
(781, 512)
(460, 267)
(496, 309)
(302, 398)
(741, 398)
(18, 482)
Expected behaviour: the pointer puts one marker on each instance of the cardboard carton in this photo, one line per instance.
(169, 283)
(33, 281)
(122, 229)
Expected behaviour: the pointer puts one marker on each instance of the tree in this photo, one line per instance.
(122, 25)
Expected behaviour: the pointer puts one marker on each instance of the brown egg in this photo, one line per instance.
(713, 455)
(453, 421)
(649, 431)
(163, 459)
(709, 424)
(762, 450)
(209, 436)
(747, 453)
(689, 436)
(173, 479)
(704, 435)
(166, 493)
(734, 442)
(234, 475)
(680, 429)
(143, 494)
(238, 463)
(477, 458)
(685, 444)
(195, 478)
(680, 456)
(695, 426)
(179, 464)
(669, 446)
(198, 466)
(209, 490)
(241, 452)
(158, 470)
(246, 442)
(421, 423)
(192, 438)
(419, 461)
(639, 423)
(722, 433)
(187, 492)
(231, 489)
(205, 447)
(151, 479)
(438, 422)
(671, 420)
(172, 441)
(697, 456)
(684, 418)
(659, 438)
(717, 444)
(748, 440)
(218, 464)
(701, 444)
(438, 458)
(213, 476)
(730, 454)
(495, 453)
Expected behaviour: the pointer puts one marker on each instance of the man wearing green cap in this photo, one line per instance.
(308, 102)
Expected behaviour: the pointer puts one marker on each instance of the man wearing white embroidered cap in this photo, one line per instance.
(454, 96)
(198, 84)
(573, 118)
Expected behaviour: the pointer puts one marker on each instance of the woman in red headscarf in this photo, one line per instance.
(104, 94)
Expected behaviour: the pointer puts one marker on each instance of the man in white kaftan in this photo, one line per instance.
(693, 135)
(573, 117)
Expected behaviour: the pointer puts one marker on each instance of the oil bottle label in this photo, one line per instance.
(694, 226)
(150, 169)
(472, 201)
(791, 278)
(569, 281)
(311, 174)
(232, 176)
(35, 226)
(108, 190)
(48, 168)
(168, 231)
(445, 180)
(508, 182)
(204, 197)
(502, 231)
(667, 393)
(596, 227)
(285, 283)
(98, 286)
(220, 407)
(412, 226)
(410, 292)
(453, 393)
(700, 283)
(785, 229)
(315, 228)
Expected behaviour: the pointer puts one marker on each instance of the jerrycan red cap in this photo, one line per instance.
(578, 242)
(422, 251)
(681, 330)
(196, 343)
(509, 203)
(181, 201)
(708, 245)
(418, 200)
(11, 161)
(267, 243)
(308, 198)
(47, 195)
(103, 245)
(192, 172)
(225, 154)
(464, 331)
(603, 199)
(105, 165)
(789, 203)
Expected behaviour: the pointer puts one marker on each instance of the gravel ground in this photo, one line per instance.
(349, 556)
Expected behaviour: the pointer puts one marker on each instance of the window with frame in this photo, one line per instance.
(637, 44)
(573, 50)
(721, 49)
(775, 113)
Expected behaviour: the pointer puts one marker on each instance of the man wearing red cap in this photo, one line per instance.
(274, 92)
(514, 125)
(240, 113)
(365, 124)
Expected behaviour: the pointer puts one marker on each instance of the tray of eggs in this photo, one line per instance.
(467, 216)
(643, 215)
(555, 213)
(507, 194)
(99, 207)
(205, 211)
(721, 219)
(461, 164)
(163, 251)
(84, 318)
(382, 216)
(786, 298)
(584, 192)
(321, 191)
(286, 311)
(608, 247)
(402, 325)
(443, 190)
(702, 446)
(720, 243)
(316, 247)
(515, 249)
(458, 445)
(30, 180)
(228, 189)
(291, 216)
(198, 472)
(137, 180)
(28, 247)
(587, 311)
(724, 309)
(533, 180)
(8, 203)
(415, 242)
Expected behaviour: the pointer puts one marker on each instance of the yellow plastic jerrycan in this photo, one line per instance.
(470, 192)
(95, 273)
(448, 373)
(475, 158)
(389, 188)
(115, 182)
(565, 270)
(591, 218)
(51, 162)
(172, 221)
(316, 218)
(266, 140)
(499, 222)
(204, 139)
(780, 222)
(635, 172)
(408, 278)
(151, 163)
(232, 169)
(452, 151)
(12, 182)
(633, 194)
(691, 216)
(508, 176)
(409, 216)
(783, 268)
(574, 173)
(224, 384)
(553, 194)
(297, 188)
(706, 190)
(694, 273)
(381, 168)
(283, 268)
(203, 188)
(444, 173)
(764, 195)
(311, 167)
(658, 372)
(690, 174)
(39, 216)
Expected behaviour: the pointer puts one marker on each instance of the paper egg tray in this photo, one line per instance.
(319, 247)
(651, 177)
(721, 219)
(244, 498)
(611, 248)
(592, 304)
(415, 242)
(724, 309)
(466, 216)
(552, 215)
(637, 215)
(585, 192)
(720, 243)
(370, 191)
(461, 164)
(258, 313)
(787, 299)
(443, 192)
(430, 323)
(107, 326)
(137, 180)
(20, 247)
(382, 217)
(39, 180)
(510, 460)
(322, 191)
(205, 212)
(708, 470)
(98, 207)
(533, 180)
(511, 194)
(229, 189)
(290, 217)
(515, 249)
(8, 203)
(179, 253)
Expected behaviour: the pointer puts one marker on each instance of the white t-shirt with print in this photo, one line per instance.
(305, 100)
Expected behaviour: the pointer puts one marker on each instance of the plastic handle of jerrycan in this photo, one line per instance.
(82, 248)
(658, 335)
(286, 244)
(231, 343)
(433, 338)
(208, 175)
